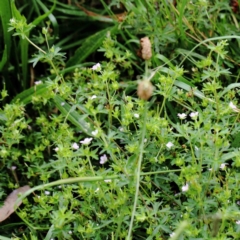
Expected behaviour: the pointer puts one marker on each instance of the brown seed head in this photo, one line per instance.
(145, 89)
(146, 48)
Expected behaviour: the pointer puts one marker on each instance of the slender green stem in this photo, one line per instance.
(90, 164)
(35, 45)
(146, 67)
(47, 41)
(110, 109)
(63, 181)
(230, 130)
(206, 40)
(75, 180)
(138, 173)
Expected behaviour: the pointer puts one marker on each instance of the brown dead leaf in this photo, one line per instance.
(8, 208)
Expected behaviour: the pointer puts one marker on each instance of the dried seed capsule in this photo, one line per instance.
(146, 48)
(145, 89)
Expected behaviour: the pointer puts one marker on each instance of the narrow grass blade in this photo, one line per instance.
(229, 87)
(25, 97)
(50, 233)
(4, 238)
(5, 58)
(90, 45)
(6, 15)
(73, 116)
(69, 112)
(48, 13)
(188, 88)
(23, 47)
(24, 44)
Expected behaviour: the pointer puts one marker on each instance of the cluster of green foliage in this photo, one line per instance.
(102, 163)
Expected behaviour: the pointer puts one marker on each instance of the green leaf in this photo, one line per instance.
(25, 97)
(50, 233)
(73, 116)
(90, 45)
(165, 60)
(48, 13)
(24, 44)
(236, 141)
(5, 58)
(15, 13)
(229, 87)
(230, 155)
(4, 238)
(6, 15)
(188, 88)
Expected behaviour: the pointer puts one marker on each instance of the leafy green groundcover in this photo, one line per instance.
(102, 161)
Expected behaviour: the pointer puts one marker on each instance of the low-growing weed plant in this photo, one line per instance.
(142, 144)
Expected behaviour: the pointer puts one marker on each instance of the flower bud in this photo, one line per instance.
(145, 89)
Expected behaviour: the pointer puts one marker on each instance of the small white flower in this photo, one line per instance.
(210, 169)
(86, 141)
(234, 107)
(182, 115)
(223, 166)
(136, 115)
(121, 129)
(70, 232)
(13, 168)
(172, 234)
(193, 115)
(169, 145)
(62, 103)
(75, 146)
(38, 82)
(96, 67)
(185, 188)
(231, 105)
(96, 190)
(94, 133)
(12, 20)
(56, 149)
(107, 180)
(47, 192)
(103, 159)
(145, 140)
(238, 222)
(93, 97)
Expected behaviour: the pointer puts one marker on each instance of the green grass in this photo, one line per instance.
(104, 161)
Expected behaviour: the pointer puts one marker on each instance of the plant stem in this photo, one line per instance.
(138, 173)
(75, 180)
(35, 45)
